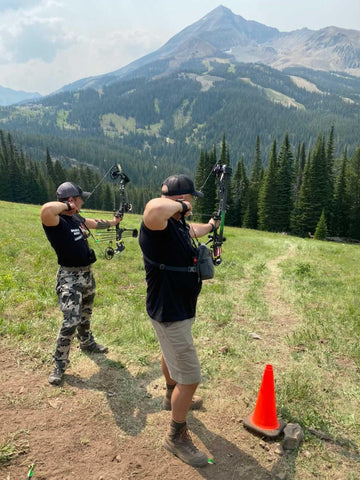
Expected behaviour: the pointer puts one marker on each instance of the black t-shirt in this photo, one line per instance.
(68, 239)
(171, 296)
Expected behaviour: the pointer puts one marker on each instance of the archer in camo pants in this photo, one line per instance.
(75, 287)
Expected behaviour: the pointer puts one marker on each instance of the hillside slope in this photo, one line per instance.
(171, 118)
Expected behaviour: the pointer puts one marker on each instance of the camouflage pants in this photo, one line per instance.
(75, 288)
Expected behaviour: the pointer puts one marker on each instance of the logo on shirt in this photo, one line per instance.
(78, 235)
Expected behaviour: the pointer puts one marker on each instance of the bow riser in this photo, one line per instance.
(116, 234)
(223, 173)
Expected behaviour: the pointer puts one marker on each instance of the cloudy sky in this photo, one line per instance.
(45, 44)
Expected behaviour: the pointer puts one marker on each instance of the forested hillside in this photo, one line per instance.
(161, 125)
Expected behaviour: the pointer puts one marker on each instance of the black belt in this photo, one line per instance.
(162, 266)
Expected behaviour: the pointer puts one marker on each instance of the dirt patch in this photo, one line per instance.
(105, 423)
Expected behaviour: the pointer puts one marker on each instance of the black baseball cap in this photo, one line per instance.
(179, 185)
(69, 189)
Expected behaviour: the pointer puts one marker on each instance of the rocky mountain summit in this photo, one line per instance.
(230, 38)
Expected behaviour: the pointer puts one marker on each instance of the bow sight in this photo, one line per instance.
(222, 170)
(116, 173)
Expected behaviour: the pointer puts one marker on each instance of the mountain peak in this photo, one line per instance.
(219, 11)
(222, 34)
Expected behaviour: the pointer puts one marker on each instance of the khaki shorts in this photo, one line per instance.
(178, 350)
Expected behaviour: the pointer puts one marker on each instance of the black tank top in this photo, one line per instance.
(171, 296)
(68, 239)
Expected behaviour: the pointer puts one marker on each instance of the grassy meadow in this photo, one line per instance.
(276, 299)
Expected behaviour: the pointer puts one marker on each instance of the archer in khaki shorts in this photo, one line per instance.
(178, 350)
(173, 286)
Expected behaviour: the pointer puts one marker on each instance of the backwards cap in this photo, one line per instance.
(69, 189)
(179, 185)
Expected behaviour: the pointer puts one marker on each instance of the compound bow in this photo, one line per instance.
(223, 174)
(107, 235)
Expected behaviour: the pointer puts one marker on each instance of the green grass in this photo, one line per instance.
(14, 446)
(315, 350)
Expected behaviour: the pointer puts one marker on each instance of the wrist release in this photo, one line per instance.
(183, 205)
(67, 204)
(212, 227)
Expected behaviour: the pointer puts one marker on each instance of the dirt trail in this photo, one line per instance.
(284, 318)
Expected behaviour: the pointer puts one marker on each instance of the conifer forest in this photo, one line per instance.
(297, 190)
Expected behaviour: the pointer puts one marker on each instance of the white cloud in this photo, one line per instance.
(45, 46)
(32, 33)
(85, 57)
(37, 39)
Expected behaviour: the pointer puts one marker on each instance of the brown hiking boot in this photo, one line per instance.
(180, 444)
(196, 403)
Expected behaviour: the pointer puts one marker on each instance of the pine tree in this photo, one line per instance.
(205, 180)
(240, 184)
(329, 153)
(284, 191)
(321, 229)
(59, 174)
(210, 188)
(313, 192)
(341, 202)
(199, 181)
(17, 176)
(50, 189)
(13, 171)
(230, 218)
(353, 190)
(251, 212)
(31, 177)
(299, 169)
(76, 175)
(106, 198)
(4, 149)
(296, 214)
(224, 152)
(40, 191)
(49, 166)
(5, 185)
(268, 196)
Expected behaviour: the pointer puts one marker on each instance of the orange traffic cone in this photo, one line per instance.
(264, 419)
